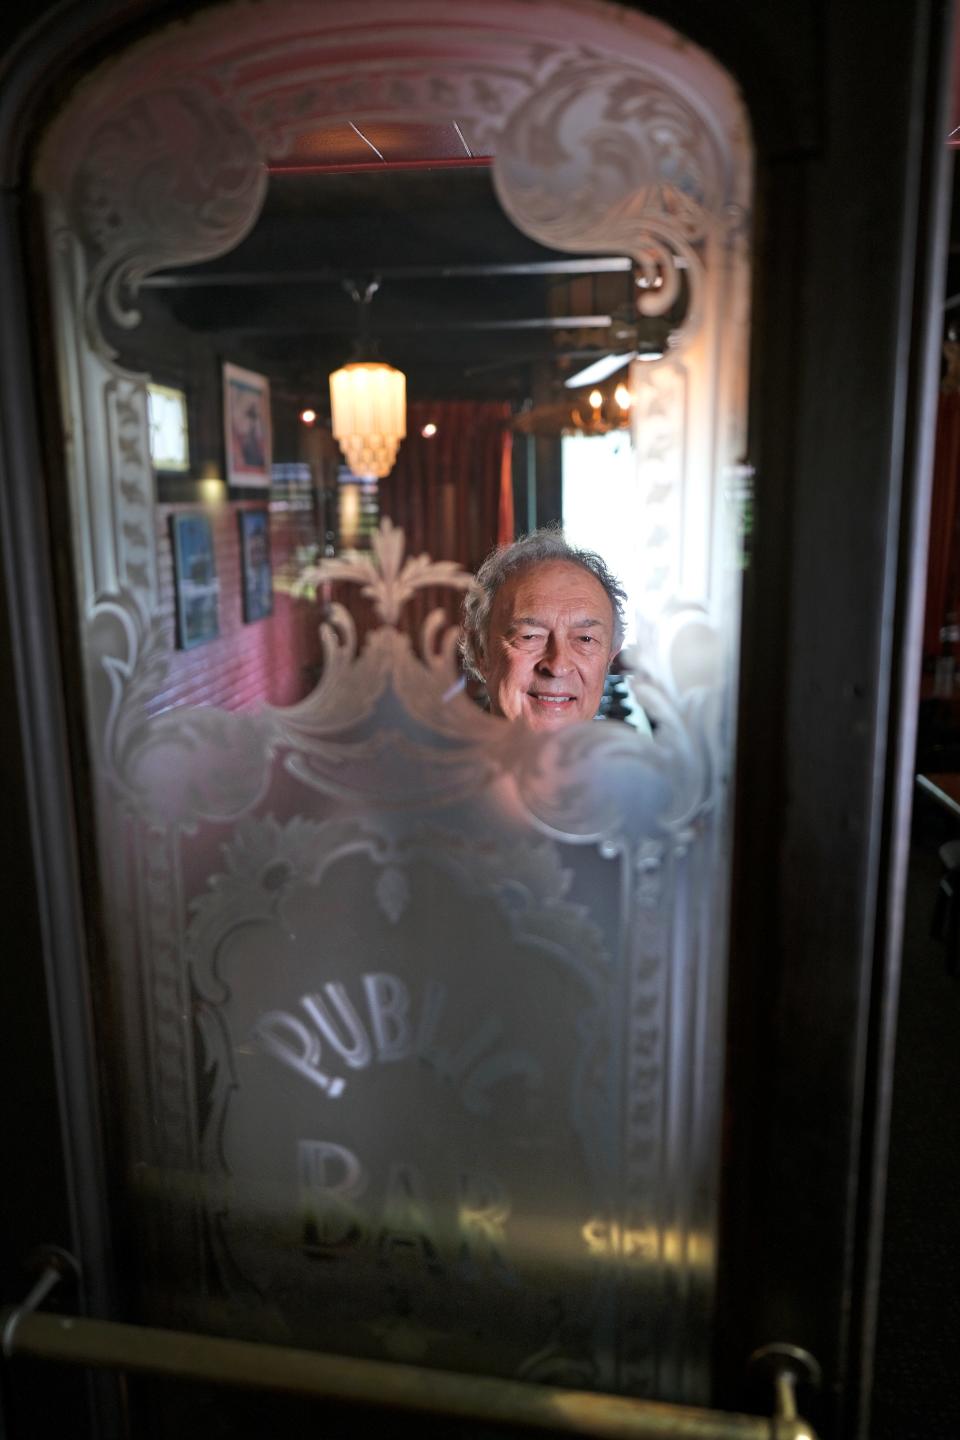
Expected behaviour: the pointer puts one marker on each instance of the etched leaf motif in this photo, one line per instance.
(393, 893)
(387, 583)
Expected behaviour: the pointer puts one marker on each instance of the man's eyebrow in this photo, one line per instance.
(518, 620)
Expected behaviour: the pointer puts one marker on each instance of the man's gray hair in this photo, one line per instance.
(533, 549)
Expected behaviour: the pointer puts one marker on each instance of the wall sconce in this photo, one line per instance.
(213, 488)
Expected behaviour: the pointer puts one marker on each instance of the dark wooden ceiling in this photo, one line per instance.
(467, 306)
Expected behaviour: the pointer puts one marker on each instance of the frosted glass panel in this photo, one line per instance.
(426, 1051)
(420, 1013)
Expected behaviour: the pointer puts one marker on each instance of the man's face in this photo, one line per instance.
(549, 644)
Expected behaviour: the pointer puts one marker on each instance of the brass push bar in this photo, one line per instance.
(175, 1353)
(182, 1355)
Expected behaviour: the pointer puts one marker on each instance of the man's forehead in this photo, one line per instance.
(551, 586)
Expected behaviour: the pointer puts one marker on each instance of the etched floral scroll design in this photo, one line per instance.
(609, 157)
(172, 178)
(587, 150)
(390, 726)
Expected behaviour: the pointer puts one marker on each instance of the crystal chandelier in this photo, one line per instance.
(368, 402)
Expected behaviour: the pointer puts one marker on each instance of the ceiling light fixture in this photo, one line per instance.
(368, 403)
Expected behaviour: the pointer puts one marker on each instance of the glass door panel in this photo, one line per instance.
(420, 1009)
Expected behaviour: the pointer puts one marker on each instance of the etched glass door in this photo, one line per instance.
(420, 1013)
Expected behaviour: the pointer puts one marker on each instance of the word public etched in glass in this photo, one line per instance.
(422, 1013)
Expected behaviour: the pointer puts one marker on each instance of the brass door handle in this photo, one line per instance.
(185, 1355)
(785, 1366)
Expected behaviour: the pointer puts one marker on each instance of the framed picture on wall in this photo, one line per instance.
(255, 564)
(196, 586)
(248, 437)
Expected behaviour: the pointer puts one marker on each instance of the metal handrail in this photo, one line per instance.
(242, 1363)
(184, 1355)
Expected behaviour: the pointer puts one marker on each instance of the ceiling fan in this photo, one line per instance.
(599, 370)
(646, 340)
(638, 332)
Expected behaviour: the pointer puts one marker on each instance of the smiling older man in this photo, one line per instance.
(541, 626)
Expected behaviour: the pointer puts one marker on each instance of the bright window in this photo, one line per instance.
(601, 506)
(169, 444)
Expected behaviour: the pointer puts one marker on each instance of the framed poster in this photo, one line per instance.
(196, 586)
(255, 564)
(247, 430)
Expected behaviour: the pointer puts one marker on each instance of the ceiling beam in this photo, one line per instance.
(175, 280)
(417, 327)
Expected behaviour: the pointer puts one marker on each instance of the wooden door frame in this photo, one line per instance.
(841, 398)
(842, 430)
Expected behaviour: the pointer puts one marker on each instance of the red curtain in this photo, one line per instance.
(452, 492)
(446, 490)
(943, 568)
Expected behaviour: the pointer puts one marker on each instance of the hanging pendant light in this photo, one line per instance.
(368, 403)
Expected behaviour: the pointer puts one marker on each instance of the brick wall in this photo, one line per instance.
(272, 660)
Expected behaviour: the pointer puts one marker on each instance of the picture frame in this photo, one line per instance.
(255, 568)
(247, 428)
(196, 586)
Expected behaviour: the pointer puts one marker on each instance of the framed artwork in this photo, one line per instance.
(255, 564)
(247, 430)
(196, 586)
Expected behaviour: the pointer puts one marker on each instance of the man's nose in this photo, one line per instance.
(556, 658)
